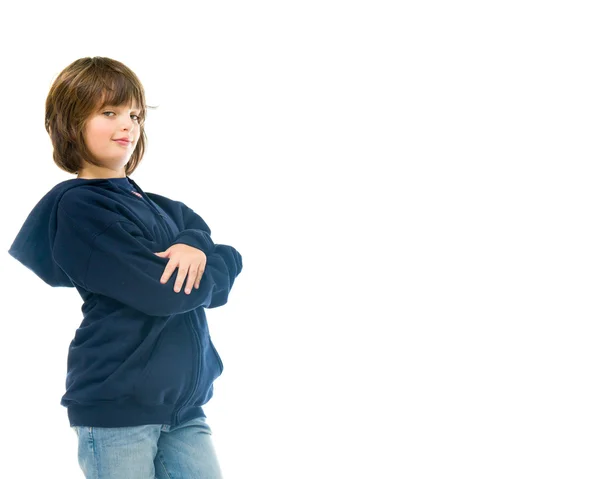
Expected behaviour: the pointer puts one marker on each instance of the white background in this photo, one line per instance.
(413, 187)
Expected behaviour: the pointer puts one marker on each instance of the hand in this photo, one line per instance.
(185, 258)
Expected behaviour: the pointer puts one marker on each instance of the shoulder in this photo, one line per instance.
(182, 214)
(172, 207)
(89, 196)
(90, 205)
(163, 200)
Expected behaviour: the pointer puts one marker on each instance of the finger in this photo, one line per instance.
(198, 277)
(164, 254)
(181, 274)
(171, 265)
(191, 277)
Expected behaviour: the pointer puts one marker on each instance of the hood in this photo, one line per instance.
(34, 243)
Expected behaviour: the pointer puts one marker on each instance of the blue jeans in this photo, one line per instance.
(154, 451)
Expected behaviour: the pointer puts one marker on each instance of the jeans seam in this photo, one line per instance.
(96, 460)
(163, 465)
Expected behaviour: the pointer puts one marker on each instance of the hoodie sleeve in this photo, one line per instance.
(196, 233)
(233, 261)
(118, 261)
(193, 234)
(194, 230)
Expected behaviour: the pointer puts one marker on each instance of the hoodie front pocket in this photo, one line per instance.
(216, 355)
(211, 368)
(169, 373)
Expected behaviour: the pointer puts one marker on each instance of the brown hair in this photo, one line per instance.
(80, 89)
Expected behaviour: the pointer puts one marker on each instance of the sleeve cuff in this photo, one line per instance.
(196, 239)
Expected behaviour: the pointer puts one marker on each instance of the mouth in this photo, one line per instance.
(123, 142)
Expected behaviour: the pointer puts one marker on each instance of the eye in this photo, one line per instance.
(137, 118)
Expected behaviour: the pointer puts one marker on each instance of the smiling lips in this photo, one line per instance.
(123, 142)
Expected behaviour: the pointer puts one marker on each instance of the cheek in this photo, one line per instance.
(99, 131)
(104, 131)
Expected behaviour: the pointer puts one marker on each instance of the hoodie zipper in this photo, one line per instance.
(141, 194)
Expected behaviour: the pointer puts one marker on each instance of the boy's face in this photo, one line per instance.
(105, 127)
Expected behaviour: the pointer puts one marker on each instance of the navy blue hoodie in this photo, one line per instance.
(143, 353)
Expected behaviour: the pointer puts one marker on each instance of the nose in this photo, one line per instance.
(127, 123)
